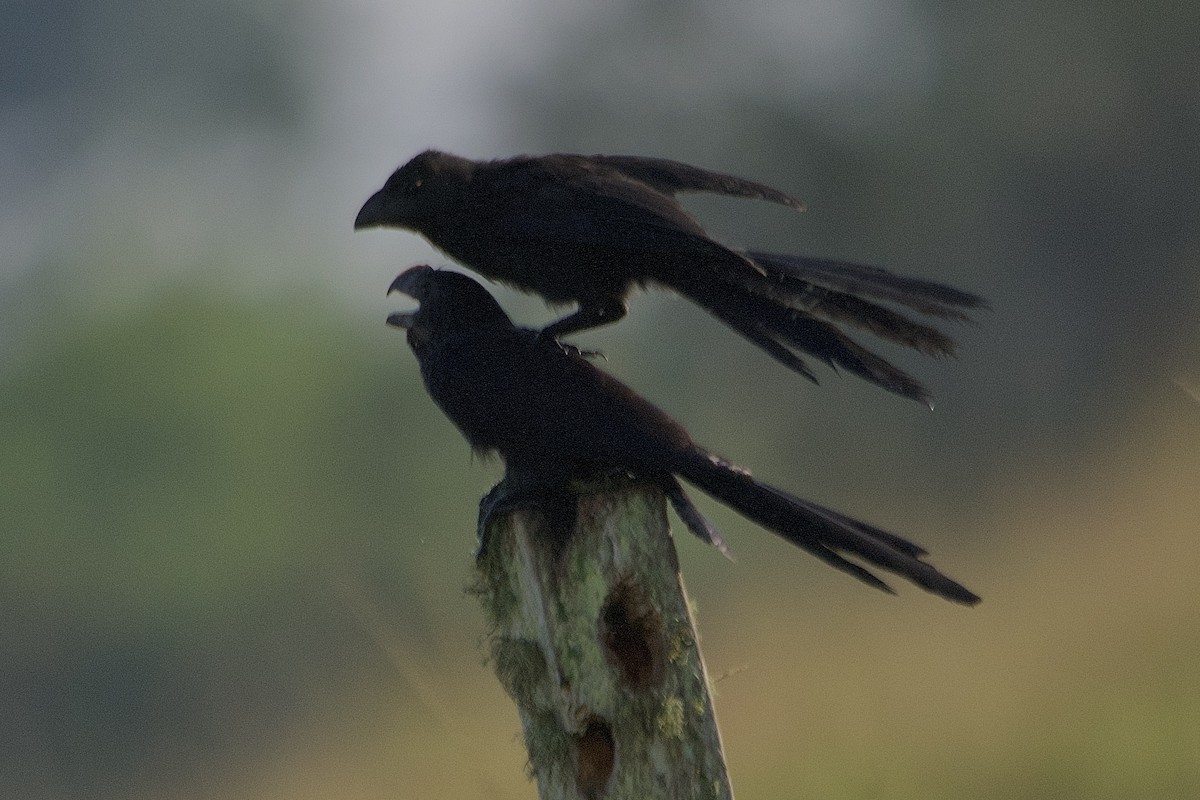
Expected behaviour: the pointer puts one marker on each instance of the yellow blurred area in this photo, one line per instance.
(1078, 676)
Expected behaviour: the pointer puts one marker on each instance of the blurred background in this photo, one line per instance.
(234, 532)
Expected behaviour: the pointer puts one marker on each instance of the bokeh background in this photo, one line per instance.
(234, 532)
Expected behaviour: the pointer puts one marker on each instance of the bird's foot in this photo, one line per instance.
(557, 504)
(547, 338)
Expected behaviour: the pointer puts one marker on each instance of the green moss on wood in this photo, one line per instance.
(641, 678)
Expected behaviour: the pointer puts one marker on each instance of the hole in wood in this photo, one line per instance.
(595, 754)
(631, 633)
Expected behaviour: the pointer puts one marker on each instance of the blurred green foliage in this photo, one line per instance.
(172, 459)
(182, 488)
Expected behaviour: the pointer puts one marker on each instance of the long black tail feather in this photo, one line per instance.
(825, 533)
(838, 291)
(781, 330)
(927, 297)
(840, 307)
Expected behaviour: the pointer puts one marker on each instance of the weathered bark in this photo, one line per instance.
(592, 637)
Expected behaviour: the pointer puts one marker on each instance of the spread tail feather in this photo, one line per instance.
(782, 330)
(927, 297)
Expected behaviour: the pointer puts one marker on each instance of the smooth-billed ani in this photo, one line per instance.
(553, 417)
(588, 229)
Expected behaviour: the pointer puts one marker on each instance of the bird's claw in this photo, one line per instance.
(550, 340)
(557, 504)
(572, 350)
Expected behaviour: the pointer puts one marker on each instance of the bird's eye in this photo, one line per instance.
(413, 187)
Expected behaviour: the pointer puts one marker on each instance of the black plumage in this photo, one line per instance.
(589, 229)
(553, 416)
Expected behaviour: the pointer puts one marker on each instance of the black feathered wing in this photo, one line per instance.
(568, 205)
(671, 177)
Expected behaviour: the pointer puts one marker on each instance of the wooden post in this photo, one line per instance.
(593, 639)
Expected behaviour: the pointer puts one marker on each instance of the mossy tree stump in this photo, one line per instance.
(592, 637)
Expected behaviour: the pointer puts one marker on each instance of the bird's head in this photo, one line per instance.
(427, 186)
(449, 302)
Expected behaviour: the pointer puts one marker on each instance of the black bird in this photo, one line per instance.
(588, 229)
(555, 417)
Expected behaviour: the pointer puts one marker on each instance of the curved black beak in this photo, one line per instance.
(411, 282)
(371, 214)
